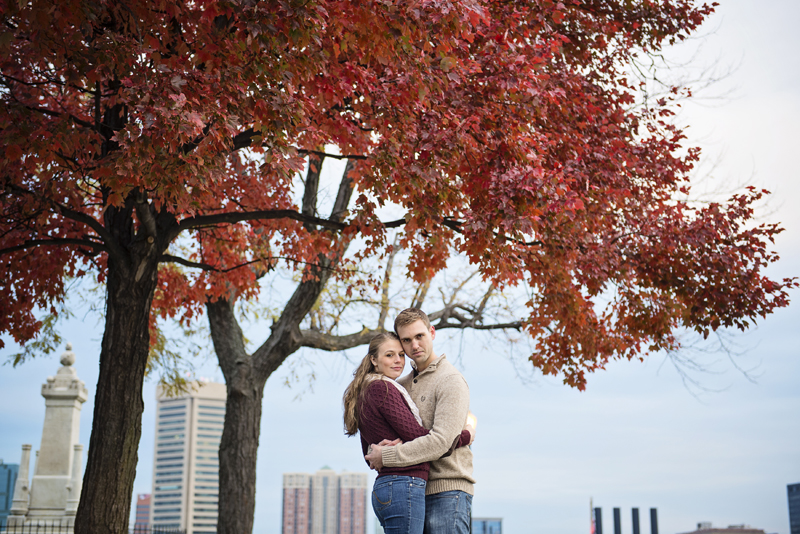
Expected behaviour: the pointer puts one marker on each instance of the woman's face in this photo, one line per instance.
(390, 359)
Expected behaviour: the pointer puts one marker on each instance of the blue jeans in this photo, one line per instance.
(449, 512)
(399, 503)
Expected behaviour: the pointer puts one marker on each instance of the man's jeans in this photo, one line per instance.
(399, 503)
(449, 512)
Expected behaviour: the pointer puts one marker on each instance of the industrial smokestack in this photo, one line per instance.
(653, 521)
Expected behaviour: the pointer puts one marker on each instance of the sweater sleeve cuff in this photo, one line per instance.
(389, 456)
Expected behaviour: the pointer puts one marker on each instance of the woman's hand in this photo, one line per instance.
(471, 431)
(472, 422)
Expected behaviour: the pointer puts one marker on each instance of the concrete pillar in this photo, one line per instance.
(76, 483)
(19, 504)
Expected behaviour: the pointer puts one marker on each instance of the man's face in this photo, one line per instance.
(417, 340)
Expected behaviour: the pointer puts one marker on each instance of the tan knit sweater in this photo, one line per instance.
(442, 396)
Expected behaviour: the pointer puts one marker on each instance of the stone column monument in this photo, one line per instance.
(51, 497)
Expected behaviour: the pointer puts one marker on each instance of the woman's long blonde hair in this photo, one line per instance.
(353, 393)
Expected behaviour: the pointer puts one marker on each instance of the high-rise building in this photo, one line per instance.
(296, 503)
(487, 525)
(324, 503)
(8, 477)
(186, 471)
(793, 493)
(142, 521)
(352, 503)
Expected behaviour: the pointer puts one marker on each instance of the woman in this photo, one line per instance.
(379, 408)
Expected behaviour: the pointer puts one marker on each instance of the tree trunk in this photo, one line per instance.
(238, 451)
(246, 375)
(117, 424)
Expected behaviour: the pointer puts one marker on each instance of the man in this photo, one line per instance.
(442, 396)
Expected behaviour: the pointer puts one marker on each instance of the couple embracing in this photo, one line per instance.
(414, 431)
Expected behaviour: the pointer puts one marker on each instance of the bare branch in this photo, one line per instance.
(515, 325)
(419, 295)
(319, 340)
(385, 286)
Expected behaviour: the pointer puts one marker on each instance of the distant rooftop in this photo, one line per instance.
(706, 528)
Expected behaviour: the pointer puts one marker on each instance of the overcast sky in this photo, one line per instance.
(638, 436)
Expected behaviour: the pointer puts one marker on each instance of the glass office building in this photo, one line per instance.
(186, 471)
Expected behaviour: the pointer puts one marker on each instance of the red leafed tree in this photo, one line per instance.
(158, 145)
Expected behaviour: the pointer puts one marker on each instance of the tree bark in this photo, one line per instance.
(117, 424)
(238, 452)
(238, 448)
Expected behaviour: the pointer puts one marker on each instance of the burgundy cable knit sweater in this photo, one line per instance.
(384, 414)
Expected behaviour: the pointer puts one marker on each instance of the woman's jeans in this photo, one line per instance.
(399, 503)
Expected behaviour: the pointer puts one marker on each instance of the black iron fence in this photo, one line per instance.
(44, 527)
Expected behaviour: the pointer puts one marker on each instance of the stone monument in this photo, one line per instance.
(51, 499)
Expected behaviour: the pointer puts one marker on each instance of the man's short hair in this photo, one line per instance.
(411, 315)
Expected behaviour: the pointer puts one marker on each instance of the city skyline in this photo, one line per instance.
(637, 437)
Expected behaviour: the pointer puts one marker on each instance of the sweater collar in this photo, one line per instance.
(431, 367)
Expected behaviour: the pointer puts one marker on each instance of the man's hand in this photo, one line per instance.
(374, 457)
(374, 453)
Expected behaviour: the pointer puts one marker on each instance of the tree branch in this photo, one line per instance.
(50, 113)
(144, 213)
(77, 216)
(318, 340)
(473, 321)
(309, 207)
(516, 325)
(245, 139)
(344, 194)
(420, 294)
(54, 242)
(286, 336)
(328, 155)
(384, 313)
(169, 258)
(261, 215)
